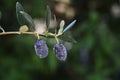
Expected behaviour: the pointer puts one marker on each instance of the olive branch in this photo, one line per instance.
(27, 27)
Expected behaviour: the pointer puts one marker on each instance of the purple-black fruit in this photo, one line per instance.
(41, 48)
(60, 52)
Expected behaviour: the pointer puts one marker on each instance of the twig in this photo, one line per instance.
(45, 34)
(9, 33)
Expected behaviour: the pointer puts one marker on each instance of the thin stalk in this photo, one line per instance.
(57, 40)
(47, 34)
(10, 33)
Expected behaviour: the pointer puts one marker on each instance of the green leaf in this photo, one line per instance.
(29, 20)
(48, 17)
(69, 26)
(20, 18)
(55, 21)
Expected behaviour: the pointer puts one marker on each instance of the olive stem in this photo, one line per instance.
(46, 34)
(9, 33)
(57, 39)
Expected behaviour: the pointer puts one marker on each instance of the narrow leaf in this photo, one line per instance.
(69, 26)
(29, 20)
(48, 17)
(19, 7)
(20, 18)
(55, 22)
(62, 23)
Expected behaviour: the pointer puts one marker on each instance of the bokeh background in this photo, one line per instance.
(93, 44)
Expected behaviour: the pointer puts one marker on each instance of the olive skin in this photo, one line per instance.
(60, 52)
(41, 48)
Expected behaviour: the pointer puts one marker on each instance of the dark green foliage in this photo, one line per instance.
(48, 17)
(20, 18)
(23, 17)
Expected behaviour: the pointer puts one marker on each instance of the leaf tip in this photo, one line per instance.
(74, 21)
(17, 2)
(70, 25)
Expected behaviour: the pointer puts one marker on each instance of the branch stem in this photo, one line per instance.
(9, 33)
(28, 33)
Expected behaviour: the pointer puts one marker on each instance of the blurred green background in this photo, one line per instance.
(94, 55)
